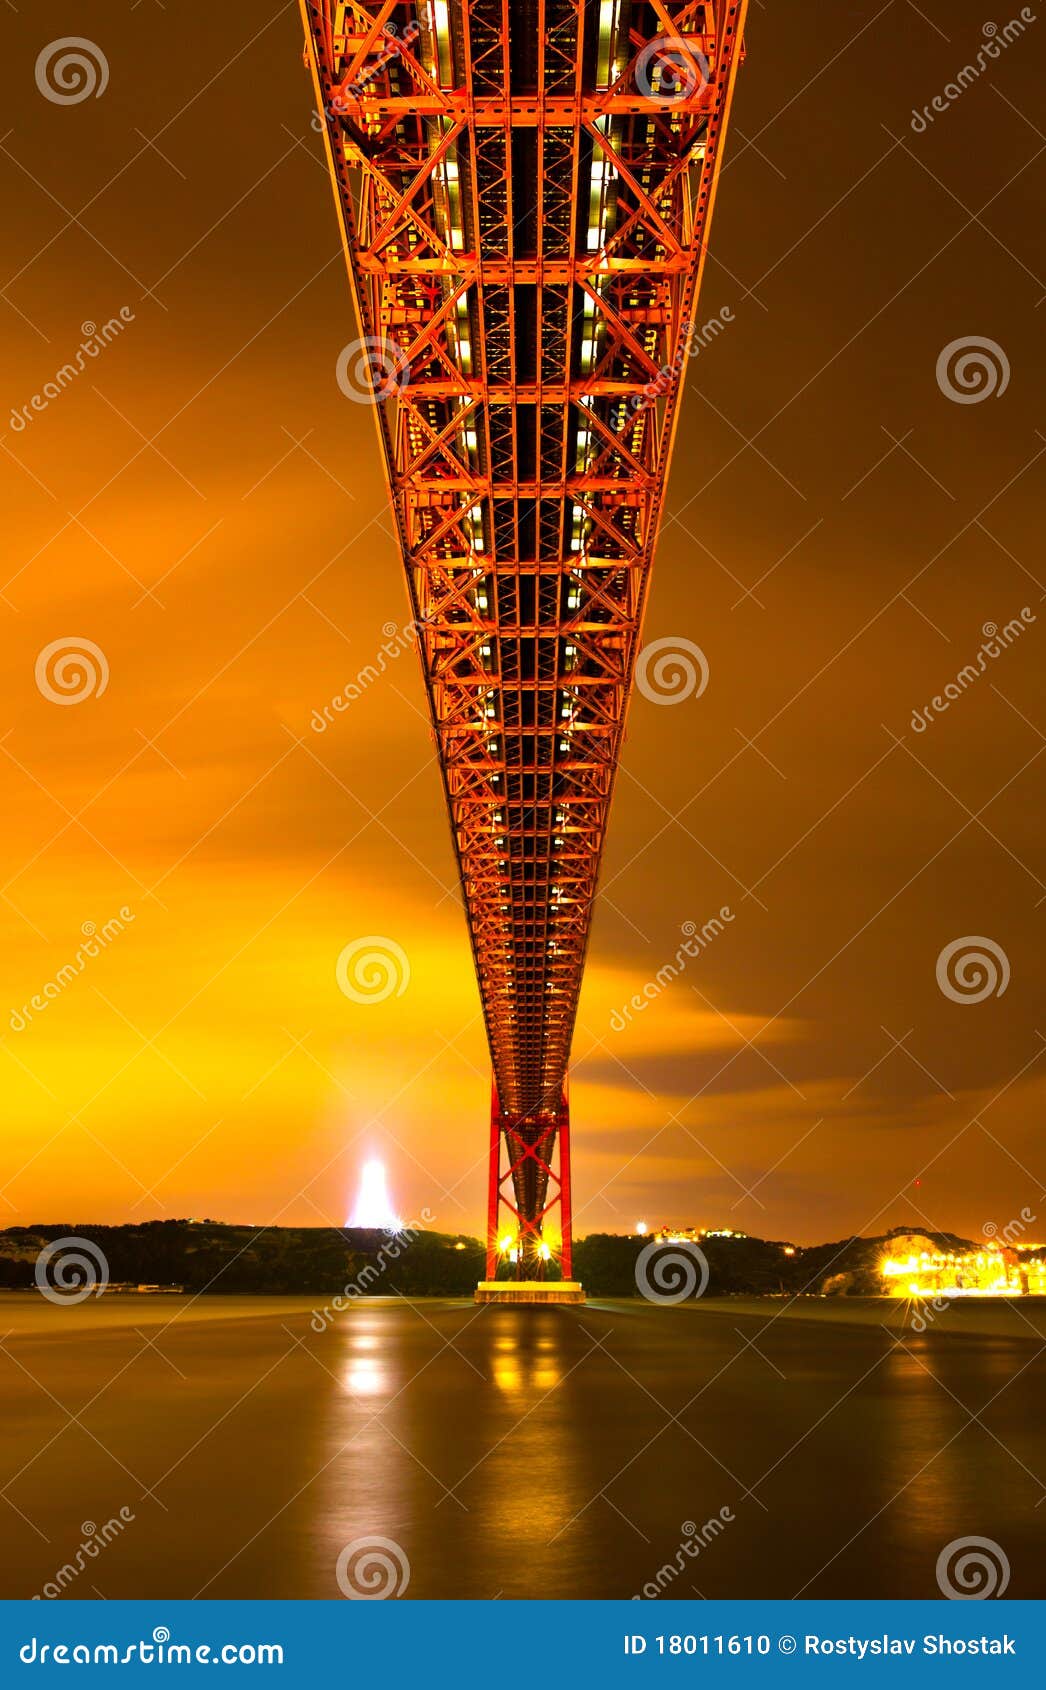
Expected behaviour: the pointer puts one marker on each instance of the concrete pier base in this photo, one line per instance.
(529, 1291)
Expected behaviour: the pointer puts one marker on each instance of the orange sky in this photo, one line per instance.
(205, 506)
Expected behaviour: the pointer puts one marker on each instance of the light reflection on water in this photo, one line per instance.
(519, 1452)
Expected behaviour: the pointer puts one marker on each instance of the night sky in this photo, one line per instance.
(205, 505)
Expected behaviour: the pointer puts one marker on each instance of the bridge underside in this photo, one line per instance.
(524, 190)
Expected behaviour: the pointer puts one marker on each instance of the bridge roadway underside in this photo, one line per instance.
(524, 191)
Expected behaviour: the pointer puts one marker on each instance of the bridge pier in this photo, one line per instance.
(521, 1291)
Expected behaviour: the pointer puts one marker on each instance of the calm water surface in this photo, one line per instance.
(563, 1452)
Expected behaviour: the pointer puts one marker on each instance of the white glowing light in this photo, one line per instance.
(374, 1205)
(641, 1228)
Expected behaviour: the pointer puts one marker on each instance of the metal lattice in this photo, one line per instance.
(524, 192)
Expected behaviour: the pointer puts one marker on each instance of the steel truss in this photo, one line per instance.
(524, 192)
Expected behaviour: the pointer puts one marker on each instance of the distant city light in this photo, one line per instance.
(373, 1206)
(688, 1234)
(965, 1273)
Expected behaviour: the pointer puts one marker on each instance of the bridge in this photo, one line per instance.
(524, 190)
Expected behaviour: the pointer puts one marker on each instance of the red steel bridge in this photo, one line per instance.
(524, 189)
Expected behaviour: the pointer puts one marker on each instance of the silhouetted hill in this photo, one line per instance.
(208, 1256)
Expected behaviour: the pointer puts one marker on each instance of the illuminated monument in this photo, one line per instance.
(524, 189)
(373, 1206)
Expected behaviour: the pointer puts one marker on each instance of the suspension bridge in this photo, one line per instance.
(524, 190)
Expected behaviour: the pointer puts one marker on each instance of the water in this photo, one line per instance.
(561, 1452)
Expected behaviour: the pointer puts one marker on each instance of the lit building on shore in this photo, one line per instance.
(918, 1269)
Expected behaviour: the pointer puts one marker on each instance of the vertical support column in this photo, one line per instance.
(493, 1182)
(528, 1229)
(566, 1213)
